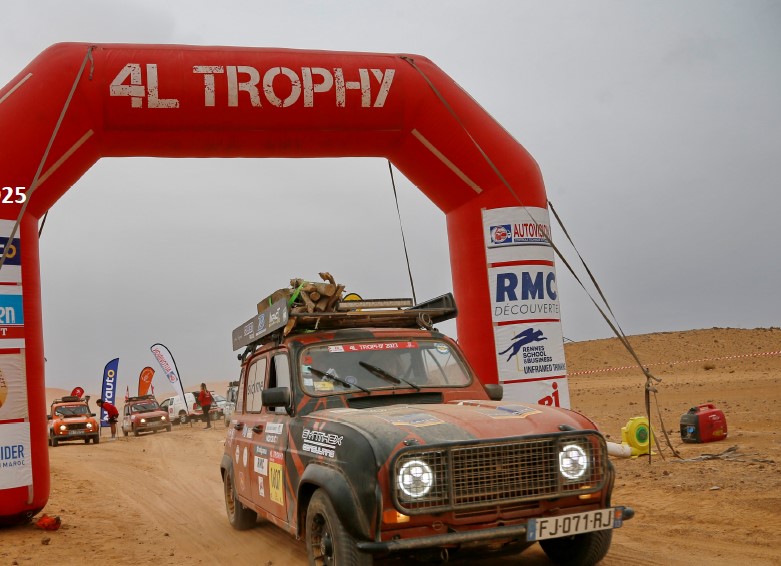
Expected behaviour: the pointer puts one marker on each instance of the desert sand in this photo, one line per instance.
(158, 498)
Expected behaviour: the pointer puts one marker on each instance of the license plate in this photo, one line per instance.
(575, 524)
(155, 423)
(72, 432)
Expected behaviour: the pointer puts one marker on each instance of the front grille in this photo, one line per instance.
(152, 419)
(469, 476)
(76, 426)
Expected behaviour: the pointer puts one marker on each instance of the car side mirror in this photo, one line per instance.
(275, 397)
(92, 415)
(495, 391)
(49, 417)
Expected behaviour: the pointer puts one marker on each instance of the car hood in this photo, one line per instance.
(458, 421)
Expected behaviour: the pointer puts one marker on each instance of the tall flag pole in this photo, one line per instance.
(145, 381)
(109, 390)
(166, 360)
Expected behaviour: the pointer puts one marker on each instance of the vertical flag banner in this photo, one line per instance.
(109, 391)
(145, 381)
(166, 360)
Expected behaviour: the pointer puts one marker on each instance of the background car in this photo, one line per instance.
(144, 414)
(70, 418)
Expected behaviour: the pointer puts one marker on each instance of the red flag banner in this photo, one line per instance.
(145, 381)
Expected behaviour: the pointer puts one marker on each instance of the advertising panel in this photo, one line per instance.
(11, 272)
(526, 316)
(15, 461)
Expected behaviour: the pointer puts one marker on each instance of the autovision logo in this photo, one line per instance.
(501, 234)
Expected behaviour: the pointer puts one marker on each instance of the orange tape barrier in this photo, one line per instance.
(676, 363)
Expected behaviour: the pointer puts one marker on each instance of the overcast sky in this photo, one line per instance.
(656, 126)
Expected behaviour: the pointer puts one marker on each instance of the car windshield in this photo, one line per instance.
(350, 367)
(72, 410)
(144, 407)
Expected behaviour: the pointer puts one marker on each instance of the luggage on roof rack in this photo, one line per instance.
(284, 317)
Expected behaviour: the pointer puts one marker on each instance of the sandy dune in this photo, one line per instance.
(159, 499)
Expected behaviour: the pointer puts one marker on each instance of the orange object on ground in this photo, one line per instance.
(48, 523)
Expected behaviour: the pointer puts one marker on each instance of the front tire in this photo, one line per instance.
(327, 541)
(578, 550)
(135, 431)
(55, 442)
(182, 418)
(239, 516)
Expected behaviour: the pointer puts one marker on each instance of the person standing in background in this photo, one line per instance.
(112, 414)
(205, 401)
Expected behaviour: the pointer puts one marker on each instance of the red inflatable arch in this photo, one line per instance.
(76, 103)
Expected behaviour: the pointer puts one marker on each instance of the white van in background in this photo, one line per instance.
(189, 410)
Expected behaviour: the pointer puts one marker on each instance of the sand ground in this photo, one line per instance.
(158, 499)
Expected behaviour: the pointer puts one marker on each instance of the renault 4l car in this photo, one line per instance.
(70, 418)
(144, 414)
(368, 435)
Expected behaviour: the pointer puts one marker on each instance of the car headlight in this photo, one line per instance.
(89, 426)
(573, 462)
(63, 427)
(163, 418)
(415, 478)
(143, 420)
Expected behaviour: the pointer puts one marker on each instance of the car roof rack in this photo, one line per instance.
(141, 398)
(280, 319)
(68, 399)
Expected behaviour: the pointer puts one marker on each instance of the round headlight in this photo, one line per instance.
(573, 462)
(63, 427)
(162, 418)
(143, 420)
(89, 425)
(415, 478)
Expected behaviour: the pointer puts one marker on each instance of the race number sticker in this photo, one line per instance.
(276, 483)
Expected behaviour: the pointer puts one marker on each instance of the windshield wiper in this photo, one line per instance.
(379, 372)
(325, 375)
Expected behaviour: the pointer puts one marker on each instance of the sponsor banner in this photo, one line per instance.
(109, 390)
(11, 317)
(530, 351)
(11, 272)
(553, 392)
(525, 308)
(13, 387)
(523, 292)
(516, 232)
(271, 319)
(145, 380)
(166, 360)
(16, 468)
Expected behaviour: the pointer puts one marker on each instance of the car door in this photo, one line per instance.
(247, 466)
(126, 426)
(262, 437)
(270, 439)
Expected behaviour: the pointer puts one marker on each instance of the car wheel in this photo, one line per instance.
(327, 540)
(168, 428)
(182, 418)
(124, 431)
(86, 440)
(55, 442)
(96, 439)
(135, 431)
(585, 549)
(239, 516)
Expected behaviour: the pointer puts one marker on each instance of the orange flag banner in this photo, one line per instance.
(145, 380)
